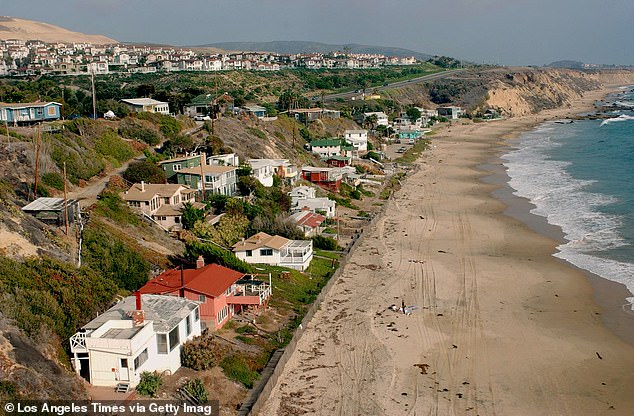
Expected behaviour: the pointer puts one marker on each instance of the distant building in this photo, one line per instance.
(255, 110)
(358, 139)
(221, 292)
(452, 112)
(140, 333)
(203, 105)
(139, 105)
(329, 178)
(228, 159)
(221, 180)
(262, 170)
(25, 113)
(172, 166)
(275, 250)
(381, 118)
(309, 222)
(53, 210)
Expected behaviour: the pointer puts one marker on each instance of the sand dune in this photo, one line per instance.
(21, 29)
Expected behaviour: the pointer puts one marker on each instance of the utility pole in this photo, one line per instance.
(94, 97)
(37, 162)
(65, 202)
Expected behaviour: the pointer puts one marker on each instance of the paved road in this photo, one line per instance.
(425, 78)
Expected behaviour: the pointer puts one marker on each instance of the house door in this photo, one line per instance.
(124, 372)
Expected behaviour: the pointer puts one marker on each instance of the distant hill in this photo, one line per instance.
(291, 47)
(566, 64)
(14, 28)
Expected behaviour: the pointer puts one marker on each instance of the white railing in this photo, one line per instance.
(78, 342)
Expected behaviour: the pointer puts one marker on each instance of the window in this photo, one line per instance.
(161, 343)
(197, 314)
(222, 315)
(249, 253)
(266, 252)
(202, 298)
(174, 338)
(177, 167)
(138, 361)
(188, 325)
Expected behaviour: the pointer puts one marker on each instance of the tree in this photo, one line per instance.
(413, 113)
(144, 171)
(191, 215)
(371, 120)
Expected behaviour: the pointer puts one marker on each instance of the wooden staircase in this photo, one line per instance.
(122, 388)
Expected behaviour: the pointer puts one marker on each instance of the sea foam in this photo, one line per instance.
(622, 117)
(565, 202)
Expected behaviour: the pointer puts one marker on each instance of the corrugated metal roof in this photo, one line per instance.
(47, 204)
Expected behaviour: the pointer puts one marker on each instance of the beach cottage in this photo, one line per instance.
(140, 333)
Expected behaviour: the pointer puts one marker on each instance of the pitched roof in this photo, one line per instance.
(26, 105)
(325, 143)
(179, 159)
(308, 219)
(211, 280)
(47, 204)
(135, 193)
(261, 239)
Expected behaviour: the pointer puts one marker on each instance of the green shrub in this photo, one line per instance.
(134, 129)
(257, 132)
(113, 148)
(113, 258)
(214, 254)
(236, 368)
(53, 180)
(325, 243)
(196, 389)
(144, 171)
(110, 205)
(246, 329)
(202, 353)
(150, 384)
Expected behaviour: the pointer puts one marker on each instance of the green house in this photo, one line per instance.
(172, 166)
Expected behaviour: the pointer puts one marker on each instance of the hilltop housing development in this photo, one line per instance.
(21, 57)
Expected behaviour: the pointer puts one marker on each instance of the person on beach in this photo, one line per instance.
(403, 306)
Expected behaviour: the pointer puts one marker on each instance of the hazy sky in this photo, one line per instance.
(511, 32)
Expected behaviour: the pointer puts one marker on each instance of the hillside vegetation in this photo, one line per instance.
(46, 296)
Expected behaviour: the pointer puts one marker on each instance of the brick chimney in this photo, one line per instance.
(142, 186)
(200, 263)
(138, 317)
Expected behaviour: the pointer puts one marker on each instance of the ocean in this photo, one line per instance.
(580, 177)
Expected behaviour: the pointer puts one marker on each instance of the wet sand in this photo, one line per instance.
(500, 326)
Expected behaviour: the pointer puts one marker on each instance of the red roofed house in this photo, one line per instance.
(309, 222)
(222, 292)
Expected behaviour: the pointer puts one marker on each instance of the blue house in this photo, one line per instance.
(30, 112)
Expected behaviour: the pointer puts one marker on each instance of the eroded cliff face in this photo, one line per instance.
(532, 90)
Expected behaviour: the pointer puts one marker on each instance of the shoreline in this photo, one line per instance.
(608, 295)
(499, 325)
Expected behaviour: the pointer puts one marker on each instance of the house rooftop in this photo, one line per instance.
(165, 311)
(211, 280)
(25, 105)
(215, 169)
(179, 159)
(47, 204)
(142, 101)
(145, 192)
(261, 239)
(355, 132)
(325, 143)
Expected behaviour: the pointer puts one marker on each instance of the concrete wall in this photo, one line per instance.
(261, 392)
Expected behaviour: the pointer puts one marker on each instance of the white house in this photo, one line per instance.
(275, 250)
(381, 118)
(228, 159)
(162, 202)
(326, 147)
(139, 105)
(451, 112)
(323, 206)
(358, 139)
(262, 170)
(302, 192)
(140, 333)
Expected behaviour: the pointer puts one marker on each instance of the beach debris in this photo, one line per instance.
(439, 314)
(421, 217)
(423, 368)
(465, 383)
(459, 395)
(599, 355)
(442, 251)
(403, 394)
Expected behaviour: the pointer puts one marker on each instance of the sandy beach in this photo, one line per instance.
(498, 325)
